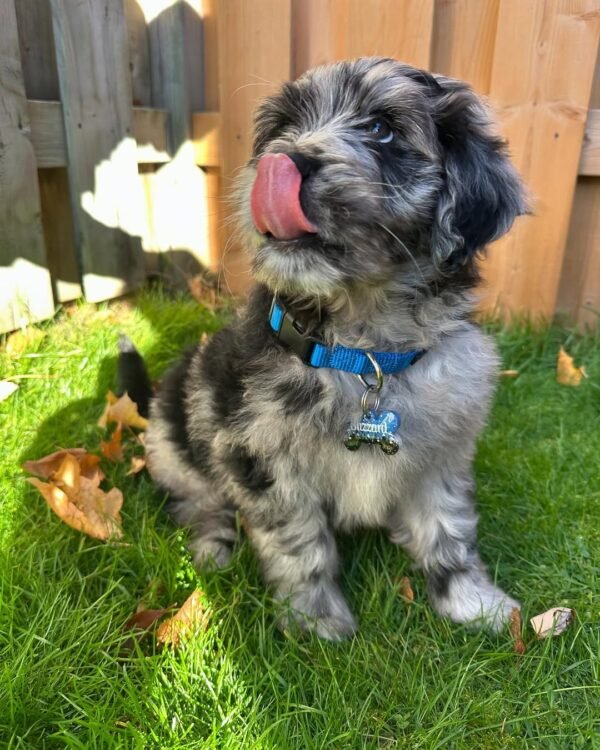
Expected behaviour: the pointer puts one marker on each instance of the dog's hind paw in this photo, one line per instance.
(210, 554)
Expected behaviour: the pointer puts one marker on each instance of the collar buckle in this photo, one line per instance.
(292, 334)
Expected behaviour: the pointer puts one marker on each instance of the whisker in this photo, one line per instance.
(406, 250)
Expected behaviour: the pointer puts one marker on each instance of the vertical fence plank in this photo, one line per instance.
(579, 291)
(38, 57)
(171, 86)
(176, 192)
(93, 68)
(541, 80)
(25, 290)
(312, 36)
(139, 54)
(57, 221)
(254, 58)
(329, 30)
(464, 38)
(34, 20)
(141, 84)
(214, 181)
(392, 28)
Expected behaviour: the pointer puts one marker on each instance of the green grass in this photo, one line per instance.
(408, 680)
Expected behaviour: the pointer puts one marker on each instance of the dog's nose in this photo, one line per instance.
(306, 165)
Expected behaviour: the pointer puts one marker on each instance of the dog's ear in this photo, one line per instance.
(483, 193)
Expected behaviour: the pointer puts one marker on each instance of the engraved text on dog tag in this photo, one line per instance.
(375, 428)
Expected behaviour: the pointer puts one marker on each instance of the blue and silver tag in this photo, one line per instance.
(379, 429)
(374, 427)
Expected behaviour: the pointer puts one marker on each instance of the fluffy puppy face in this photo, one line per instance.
(362, 167)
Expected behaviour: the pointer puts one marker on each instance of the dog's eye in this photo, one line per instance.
(381, 131)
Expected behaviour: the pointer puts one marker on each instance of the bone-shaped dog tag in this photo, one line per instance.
(375, 428)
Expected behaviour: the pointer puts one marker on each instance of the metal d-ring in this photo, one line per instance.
(378, 385)
(371, 388)
(364, 399)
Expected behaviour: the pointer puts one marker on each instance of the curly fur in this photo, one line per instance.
(242, 423)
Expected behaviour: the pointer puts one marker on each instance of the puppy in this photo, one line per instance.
(372, 188)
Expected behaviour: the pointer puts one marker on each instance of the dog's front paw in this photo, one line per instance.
(318, 608)
(469, 597)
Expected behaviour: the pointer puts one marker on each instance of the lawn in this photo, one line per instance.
(70, 679)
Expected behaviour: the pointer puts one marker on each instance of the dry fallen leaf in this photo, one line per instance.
(46, 466)
(113, 448)
(202, 291)
(509, 373)
(137, 464)
(144, 619)
(405, 589)
(552, 622)
(7, 389)
(185, 622)
(89, 466)
(515, 630)
(122, 410)
(79, 501)
(566, 372)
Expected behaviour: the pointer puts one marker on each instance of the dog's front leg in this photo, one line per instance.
(298, 553)
(437, 526)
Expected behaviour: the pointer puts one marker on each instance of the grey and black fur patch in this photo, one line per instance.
(247, 470)
(298, 397)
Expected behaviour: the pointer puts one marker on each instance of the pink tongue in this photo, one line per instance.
(275, 199)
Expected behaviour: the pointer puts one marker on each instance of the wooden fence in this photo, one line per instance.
(123, 121)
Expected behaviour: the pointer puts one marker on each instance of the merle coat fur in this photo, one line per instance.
(406, 183)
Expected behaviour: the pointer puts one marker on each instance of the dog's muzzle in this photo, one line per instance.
(275, 199)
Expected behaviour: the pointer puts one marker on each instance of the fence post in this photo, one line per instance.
(107, 201)
(25, 289)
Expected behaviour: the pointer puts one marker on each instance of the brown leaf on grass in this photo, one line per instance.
(80, 502)
(203, 291)
(144, 619)
(113, 448)
(552, 622)
(515, 631)
(509, 373)
(138, 463)
(405, 589)
(48, 465)
(7, 388)
(122, 410)
(89, 466)
(190, 618)
(566, 372)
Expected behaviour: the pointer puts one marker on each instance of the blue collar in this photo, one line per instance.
(316, 354)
